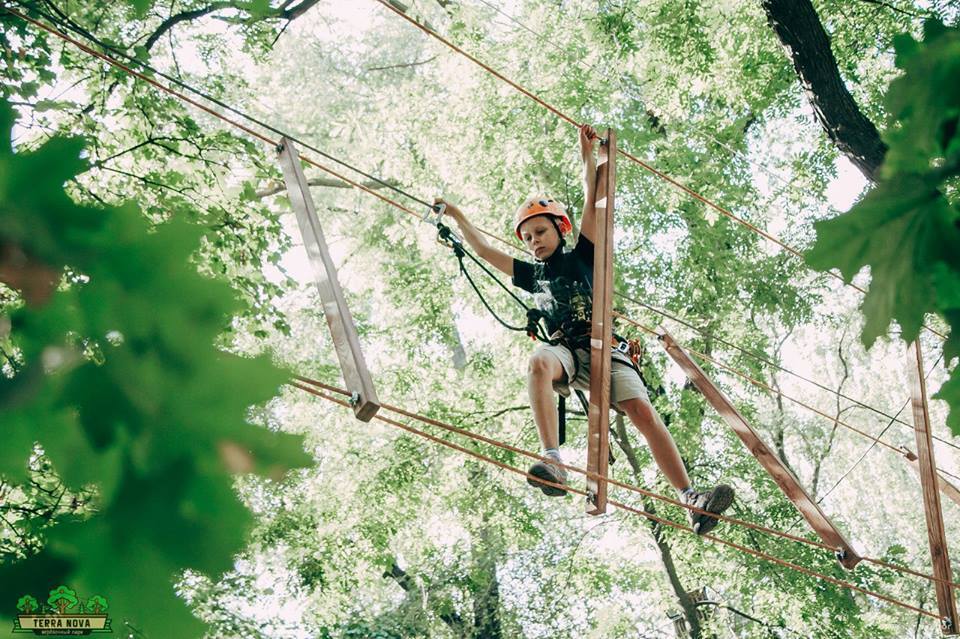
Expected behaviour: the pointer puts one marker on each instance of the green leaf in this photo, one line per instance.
(124, 388)
(950, 393)
(946, 284)
(901, 230)
(140, 7)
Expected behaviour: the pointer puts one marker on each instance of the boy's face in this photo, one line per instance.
(541, 236)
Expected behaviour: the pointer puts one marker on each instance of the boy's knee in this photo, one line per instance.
(640, 412)
(542, 364)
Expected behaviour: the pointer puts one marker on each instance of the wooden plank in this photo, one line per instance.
(356, 375)
(946, 487)
(785, 479)
(601, 332)
(936, 535)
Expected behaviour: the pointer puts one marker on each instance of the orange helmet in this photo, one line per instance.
(541, 205)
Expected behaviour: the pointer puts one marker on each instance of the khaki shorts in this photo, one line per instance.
(625, 383)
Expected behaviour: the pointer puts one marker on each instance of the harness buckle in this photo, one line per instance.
(448, 238)
(622, 346)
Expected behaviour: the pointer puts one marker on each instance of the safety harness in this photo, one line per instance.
(534, 327)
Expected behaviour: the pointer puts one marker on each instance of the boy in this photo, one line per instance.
(561, 283)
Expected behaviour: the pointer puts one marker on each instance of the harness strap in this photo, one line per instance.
(562, 418)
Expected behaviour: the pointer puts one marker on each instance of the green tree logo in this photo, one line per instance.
(63, 598)
(97, 604)
(27, 604)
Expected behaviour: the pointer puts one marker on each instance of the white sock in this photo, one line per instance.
(552, 453)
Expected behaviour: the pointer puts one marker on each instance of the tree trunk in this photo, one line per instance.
(807, 44)
(666, 554)
(452, 619)
(486, 604)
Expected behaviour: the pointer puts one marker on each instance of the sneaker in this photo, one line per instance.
(716, 501)
(550, 472)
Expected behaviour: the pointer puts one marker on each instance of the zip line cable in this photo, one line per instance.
(352, 183)
(274, 143)
(616, 504)
(703, 133)
(383, 198)
(663, 176)
(757, 356)
(533, 328)
(872, 446)
(70, 25)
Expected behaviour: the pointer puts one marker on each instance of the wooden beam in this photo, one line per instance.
(342, 329)
(601, 333)
(785, 479)
(936, 534)
(946, 487)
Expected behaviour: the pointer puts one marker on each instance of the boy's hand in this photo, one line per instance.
(451, 209)
(588, 135)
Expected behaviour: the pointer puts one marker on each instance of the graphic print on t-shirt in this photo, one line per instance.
(566, 305)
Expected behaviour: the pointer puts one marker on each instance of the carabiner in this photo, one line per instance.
(436, 214)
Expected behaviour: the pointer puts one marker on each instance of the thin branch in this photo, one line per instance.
(327, 182)
(401, 66)
(893, 8)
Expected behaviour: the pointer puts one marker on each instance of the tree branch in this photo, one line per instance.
(405, 581)
(328, 182)
(183, 16)
(282, 13)
(807, 44)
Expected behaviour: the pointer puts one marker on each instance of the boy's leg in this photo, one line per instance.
(667, 456)
(659, 439)
(544, 369)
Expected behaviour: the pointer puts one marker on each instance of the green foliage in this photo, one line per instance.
(123, 388)
(456, 530)
(907, 229)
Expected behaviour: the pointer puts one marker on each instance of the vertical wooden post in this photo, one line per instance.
(342, 329)
(601, 333)
(931, 495)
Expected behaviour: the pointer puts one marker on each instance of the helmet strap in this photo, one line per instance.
(556, 226)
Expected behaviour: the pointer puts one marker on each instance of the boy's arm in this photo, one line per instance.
(588, 221)
(500, 260)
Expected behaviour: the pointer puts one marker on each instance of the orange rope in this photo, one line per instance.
(597, 477)
(616, 504)
(660, 174)
(275, 143)
(255, 134)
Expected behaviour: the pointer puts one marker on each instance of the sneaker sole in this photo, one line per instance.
(719, 502)
(542, 473)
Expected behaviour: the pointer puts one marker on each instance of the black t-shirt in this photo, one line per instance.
(562, 287)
